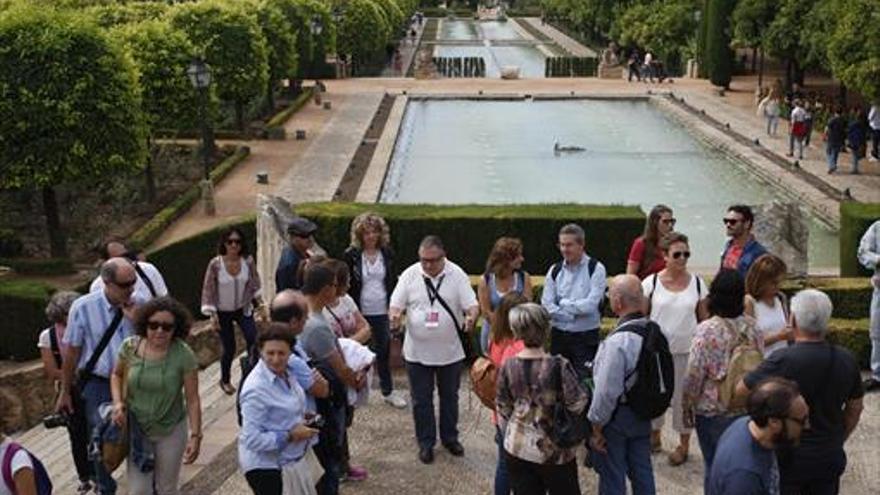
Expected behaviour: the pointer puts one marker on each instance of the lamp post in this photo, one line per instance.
(200, 76)
(317, 27)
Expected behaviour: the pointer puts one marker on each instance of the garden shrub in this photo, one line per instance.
(22, 304)
(855, 218)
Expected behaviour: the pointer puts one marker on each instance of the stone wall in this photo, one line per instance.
(783, 228)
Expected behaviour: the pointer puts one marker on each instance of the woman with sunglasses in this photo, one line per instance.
(158, 370)
(645, 256)
(674, 297)
(230, 292)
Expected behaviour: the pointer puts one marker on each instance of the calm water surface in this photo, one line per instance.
(502, 152)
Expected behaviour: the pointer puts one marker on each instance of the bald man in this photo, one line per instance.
(96, 326)
(621, 440)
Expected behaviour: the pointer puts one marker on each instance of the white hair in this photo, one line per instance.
(811, 309)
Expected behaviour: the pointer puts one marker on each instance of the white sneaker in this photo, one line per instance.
(395, 400)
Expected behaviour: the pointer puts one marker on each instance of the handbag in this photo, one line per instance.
(569, 429)
(114, 453)
(484, 376)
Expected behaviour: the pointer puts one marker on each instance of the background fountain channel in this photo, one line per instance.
(499, 43)
(503, 152)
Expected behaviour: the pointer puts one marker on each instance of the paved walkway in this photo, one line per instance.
(572, 46)
(408, 48)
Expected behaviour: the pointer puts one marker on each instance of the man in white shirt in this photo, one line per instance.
(437, 297)
(797, 129)
(150, 282)
(869, 257)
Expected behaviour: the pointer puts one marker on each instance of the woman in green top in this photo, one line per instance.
(158, 369)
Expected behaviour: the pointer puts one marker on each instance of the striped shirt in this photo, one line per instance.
(89, 317)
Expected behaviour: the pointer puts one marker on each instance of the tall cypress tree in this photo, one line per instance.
(719, 56)
(702, 70)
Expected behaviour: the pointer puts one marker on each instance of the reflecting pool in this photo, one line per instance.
(497, 152)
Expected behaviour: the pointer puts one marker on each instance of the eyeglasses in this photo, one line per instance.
(233, 240)
(668, 221)
(125, 285)
(731, 221)
(678, 254)
(160, 325)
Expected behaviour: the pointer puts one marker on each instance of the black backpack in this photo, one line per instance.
(651, 394)
(591, 267)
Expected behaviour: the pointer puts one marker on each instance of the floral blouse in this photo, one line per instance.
(711, 348)
(528, 390)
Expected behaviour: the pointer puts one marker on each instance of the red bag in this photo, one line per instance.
(799, 129)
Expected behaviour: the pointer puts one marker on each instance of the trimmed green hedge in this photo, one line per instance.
(22, 304)
(39, 266)
(283, 116)
(469, 231)
(183, 263)
(151, 230)
(851, 297)
(855, 218)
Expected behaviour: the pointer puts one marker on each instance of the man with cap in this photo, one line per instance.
(300, 240)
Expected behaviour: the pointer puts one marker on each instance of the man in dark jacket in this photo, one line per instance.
(300, 232)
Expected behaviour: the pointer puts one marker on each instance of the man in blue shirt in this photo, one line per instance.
(109, 311)
(745, 461)
(621, 440)
(573, 291)
(300, 232)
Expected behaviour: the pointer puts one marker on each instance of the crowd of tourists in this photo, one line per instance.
(733, 360)
(854, 130)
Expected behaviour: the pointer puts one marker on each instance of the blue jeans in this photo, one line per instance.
(227, 337)
(421, 385)
(832, 152)
(792, 140)
(855, 161)
(380, 343)
(772, 124)
(96, 392)
(709, 430)
(874, 333)
(628, 442)
(502, 481)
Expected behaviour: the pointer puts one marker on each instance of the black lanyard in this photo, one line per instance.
(433, 292)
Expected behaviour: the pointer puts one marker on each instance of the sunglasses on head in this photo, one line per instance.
(678, 254)
(160, 325)
(730, 221)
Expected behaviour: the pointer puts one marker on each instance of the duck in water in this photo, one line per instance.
(557, 148)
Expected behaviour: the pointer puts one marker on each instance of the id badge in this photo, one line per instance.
(432, 319)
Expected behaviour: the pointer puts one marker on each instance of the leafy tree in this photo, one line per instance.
(719, 56)
(325, 42)
(311, 48)
(664, 28)
(392, 12)
(855, 55)
(363, 32)
(113, 14)
(162, 55)
(70, 106)
(281, 43)
(750, 20)
(233, 46)
(782, 39)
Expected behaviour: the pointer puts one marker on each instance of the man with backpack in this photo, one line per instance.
(828, 377)
(573, 293)
(634, 380)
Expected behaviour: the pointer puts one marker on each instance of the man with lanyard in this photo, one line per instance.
(573, 292)
(150, 282)
(97, 325)
(436, 295)
(742, 249)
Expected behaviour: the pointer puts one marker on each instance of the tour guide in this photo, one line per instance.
(437, 296)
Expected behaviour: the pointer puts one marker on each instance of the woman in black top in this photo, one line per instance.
(369, 259)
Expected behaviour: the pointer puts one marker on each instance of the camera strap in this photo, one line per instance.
(86, 371)
(53, 345)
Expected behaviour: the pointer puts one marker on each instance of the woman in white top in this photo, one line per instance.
(372, 277)
(20, 467)
(767, 304)
(52, 350)
(230, 292)
(674, 297)
(769, 109)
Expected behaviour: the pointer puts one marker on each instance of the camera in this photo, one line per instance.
(316, 422)
(55, 421)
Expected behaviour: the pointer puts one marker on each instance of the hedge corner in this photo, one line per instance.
(22, 304)
(855, 218)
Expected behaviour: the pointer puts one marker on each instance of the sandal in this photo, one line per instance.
(227, 388)
(678, 456)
